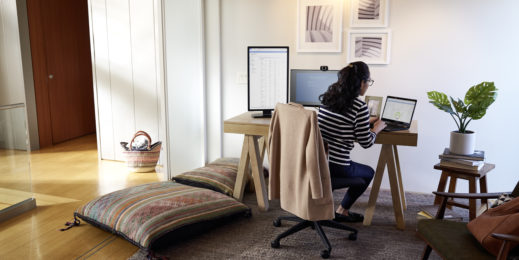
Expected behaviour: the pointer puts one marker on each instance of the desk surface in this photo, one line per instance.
(246, 124)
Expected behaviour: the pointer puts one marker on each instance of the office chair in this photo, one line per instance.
(299, 174)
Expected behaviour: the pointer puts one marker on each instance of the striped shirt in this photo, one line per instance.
(340, 130)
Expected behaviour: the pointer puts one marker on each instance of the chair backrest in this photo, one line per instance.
(299, 174)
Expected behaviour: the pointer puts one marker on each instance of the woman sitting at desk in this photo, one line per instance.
(344, 118)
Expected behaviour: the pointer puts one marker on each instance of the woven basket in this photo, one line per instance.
(142, 161)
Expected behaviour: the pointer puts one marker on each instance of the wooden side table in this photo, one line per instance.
(472, 176)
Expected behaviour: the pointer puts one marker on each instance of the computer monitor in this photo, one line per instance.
(307, 85)
(267, 78)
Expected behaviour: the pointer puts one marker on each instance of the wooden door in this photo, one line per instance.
(60, 47)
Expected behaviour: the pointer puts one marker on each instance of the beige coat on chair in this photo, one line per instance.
(299, 174)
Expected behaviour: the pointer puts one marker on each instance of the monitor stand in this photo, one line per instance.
(263, 114)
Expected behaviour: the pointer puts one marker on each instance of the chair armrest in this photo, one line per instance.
(468, 195)
(512, 238)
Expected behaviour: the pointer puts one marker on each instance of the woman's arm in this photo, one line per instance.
(378, 126)
(362, 131)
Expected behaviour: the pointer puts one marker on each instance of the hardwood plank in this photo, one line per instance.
(67, 175)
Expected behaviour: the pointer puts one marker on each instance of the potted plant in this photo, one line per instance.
(477, 100)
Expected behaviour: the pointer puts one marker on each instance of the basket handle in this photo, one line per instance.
(139, 133)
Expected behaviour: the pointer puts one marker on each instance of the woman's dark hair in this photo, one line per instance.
(340, 95)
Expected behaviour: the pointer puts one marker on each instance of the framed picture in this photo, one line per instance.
(319, 26)
(369, 13)
(372, 47)
(374, 105)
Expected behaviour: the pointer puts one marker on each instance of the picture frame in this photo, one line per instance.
(374, 104)
(319, 26)
(369, 46)
(369, 13)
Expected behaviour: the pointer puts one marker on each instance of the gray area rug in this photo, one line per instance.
(249, 238)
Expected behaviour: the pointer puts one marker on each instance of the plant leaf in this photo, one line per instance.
(440, 100)
(479, 98)
(459, 106)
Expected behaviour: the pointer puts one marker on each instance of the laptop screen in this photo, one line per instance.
(399, 109)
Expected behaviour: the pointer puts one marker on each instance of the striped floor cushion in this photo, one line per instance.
(144, 213)
(219, 175)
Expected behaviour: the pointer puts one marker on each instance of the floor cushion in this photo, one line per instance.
(219, 175)
(145, 213)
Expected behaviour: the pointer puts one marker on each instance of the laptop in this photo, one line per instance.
(398, 113)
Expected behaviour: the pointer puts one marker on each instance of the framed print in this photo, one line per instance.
(319, 26)
(369, 13)
(374, 105)
(371, 47)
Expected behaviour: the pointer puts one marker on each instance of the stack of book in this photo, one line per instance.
(472, 162)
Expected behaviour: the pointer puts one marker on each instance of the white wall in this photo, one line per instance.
(213, 69)
(184, 54)
(11, 73)
(126, 48)
(16, 81)
(436, 45)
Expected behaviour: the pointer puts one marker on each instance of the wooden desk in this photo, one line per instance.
(253, 151)
(256, 131)
(389, 157)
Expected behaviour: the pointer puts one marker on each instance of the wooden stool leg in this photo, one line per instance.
(441, 187)
(483, 187)
(452, 188)
(472, 202)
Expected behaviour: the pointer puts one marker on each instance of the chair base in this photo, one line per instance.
(317, 225)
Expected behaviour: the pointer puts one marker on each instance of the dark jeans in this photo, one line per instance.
(356, 176)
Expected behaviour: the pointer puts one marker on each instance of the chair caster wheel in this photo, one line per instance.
(325, 254)
(277, 223)
(274, 244)
(352, 236)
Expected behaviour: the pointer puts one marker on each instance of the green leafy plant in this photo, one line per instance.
(477, 100)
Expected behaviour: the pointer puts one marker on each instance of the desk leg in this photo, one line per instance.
(375, 187)
(399, 175)
(395, 189)
(243, 170)
(257, 173)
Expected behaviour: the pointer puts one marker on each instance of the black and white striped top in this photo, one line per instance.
(339, 131)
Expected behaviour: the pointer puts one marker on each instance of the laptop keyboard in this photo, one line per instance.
(394, 127)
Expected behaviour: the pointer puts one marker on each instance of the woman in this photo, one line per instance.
(344, 118)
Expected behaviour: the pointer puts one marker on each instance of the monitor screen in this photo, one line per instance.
(307, 85)
(399, 109)
(267, 77)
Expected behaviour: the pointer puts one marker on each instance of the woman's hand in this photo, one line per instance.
(378, 126)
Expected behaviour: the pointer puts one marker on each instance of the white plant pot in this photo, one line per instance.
(462, 143)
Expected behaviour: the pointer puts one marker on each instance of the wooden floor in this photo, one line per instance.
(64, 177)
